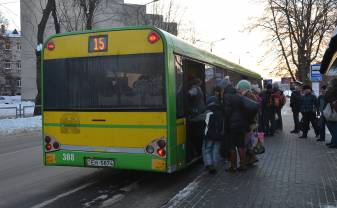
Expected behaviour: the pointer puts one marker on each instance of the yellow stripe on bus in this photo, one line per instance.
(105, 129)
(119, 43)
(181, 131)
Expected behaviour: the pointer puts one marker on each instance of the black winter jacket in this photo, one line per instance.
(234, 111)
(295, 100)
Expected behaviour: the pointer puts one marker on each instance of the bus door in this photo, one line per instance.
(194, 129)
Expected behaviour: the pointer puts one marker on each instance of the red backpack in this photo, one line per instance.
(279, 99)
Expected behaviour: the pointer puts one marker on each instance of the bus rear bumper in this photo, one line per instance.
(105, 160)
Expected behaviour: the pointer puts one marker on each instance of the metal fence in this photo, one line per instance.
(17, 112)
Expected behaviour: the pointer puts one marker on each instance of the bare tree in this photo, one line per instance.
(70, 15)
(300, 29)
(50, 8)
(88, 8)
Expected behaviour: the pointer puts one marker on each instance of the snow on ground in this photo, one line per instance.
(183, 194)
(19, 125)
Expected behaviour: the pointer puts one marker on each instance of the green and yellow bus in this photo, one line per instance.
(115, 98)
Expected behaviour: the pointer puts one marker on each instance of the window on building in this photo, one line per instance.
(18, 64)
(18, 83)
(18, 46)
(7, 45)
(7, 64)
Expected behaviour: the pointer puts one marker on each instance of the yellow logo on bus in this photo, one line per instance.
(158, 164)
(50, 158)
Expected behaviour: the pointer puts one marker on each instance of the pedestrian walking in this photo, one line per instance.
(295, 100)
(309, 108)
(268, 110)
(279, 101)
(322, 121)
(331, 99)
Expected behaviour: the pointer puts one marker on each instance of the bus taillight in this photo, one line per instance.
(51, 46)
(153, 37)
(56, 145)
(149, 149)
(47, 139)
(161, 144)
(161, 152)
(48, 147)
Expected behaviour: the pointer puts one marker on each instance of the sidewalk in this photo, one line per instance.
(291, 173)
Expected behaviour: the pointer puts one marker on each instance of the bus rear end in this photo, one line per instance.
(104, 102)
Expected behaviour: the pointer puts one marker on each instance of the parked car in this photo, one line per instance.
(3, 100)
(287, 93)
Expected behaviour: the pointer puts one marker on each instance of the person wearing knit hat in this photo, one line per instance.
(244, 85)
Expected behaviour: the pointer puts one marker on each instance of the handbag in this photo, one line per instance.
(329, 113)
(256, 146)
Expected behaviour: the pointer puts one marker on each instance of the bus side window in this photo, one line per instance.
(179, 73)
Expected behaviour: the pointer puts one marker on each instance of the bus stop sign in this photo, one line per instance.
(315, 74)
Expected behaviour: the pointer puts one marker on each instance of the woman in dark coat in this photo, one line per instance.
(237, 127)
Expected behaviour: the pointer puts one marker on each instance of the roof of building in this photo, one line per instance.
(13, 33)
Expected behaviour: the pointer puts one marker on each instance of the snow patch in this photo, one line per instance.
(327, 206)
(130, 187)
(19, 125)
(114, 199)
(102, 197)
(187, 191)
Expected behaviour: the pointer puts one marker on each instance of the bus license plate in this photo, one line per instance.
(99, 163)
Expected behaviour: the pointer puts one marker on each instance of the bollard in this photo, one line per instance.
(20, 110)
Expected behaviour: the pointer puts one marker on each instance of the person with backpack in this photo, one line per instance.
(279, 101)
(213, 135)
(309, 108)
(268, 111)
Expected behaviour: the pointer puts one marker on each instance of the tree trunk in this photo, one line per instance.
(40, 33)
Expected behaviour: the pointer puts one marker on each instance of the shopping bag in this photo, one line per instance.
(259, 147)
(329, 113)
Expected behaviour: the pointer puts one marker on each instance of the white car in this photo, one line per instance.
(287, 93)
(3, 100)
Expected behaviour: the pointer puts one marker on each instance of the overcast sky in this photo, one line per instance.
(212, 20)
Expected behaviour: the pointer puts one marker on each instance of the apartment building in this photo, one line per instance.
(110, 13)
(10, 64)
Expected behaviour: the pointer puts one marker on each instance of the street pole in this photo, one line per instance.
(211, 43)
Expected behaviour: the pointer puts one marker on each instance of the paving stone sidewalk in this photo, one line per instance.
(293, 172)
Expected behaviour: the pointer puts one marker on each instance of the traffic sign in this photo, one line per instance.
(315, 74)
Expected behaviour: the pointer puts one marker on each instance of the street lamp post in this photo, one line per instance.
(211, 43)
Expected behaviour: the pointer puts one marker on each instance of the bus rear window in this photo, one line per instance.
(102, 83)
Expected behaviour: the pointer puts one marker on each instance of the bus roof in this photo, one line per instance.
(178, 46)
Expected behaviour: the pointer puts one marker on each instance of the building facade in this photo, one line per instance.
(109, 13)
(10, 64)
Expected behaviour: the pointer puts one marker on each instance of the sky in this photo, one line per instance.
(212, 21)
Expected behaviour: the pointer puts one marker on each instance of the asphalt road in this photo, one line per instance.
(25, 182)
